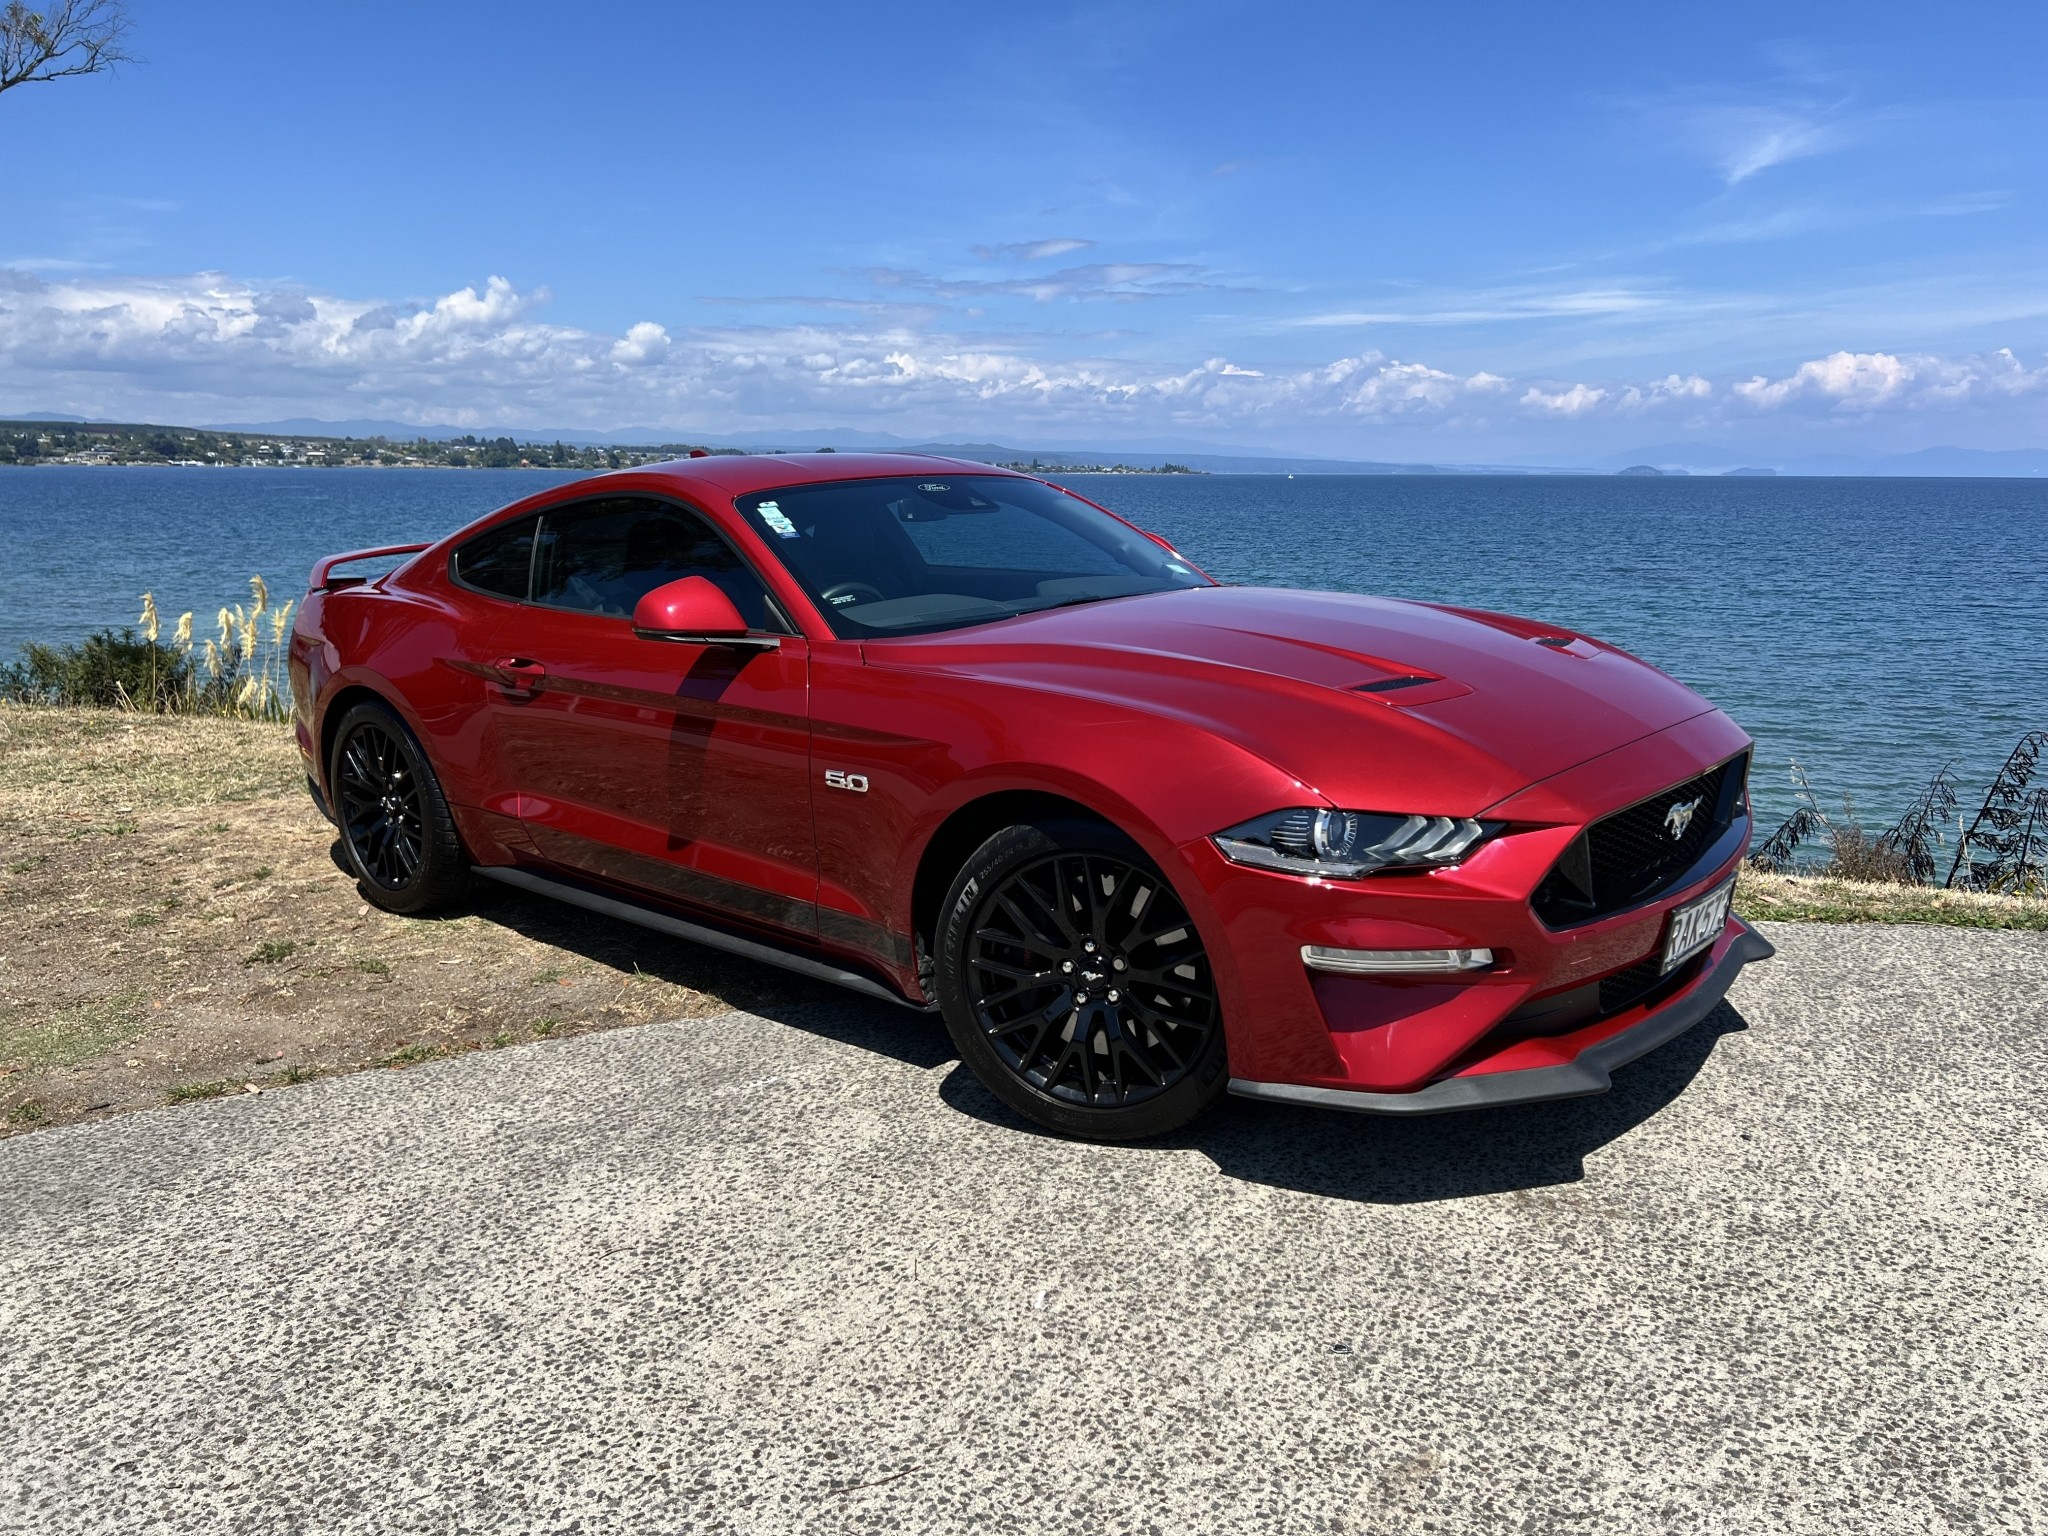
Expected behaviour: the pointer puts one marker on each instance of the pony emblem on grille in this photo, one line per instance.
(1679, 817)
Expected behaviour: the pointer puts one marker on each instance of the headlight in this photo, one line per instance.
(1344, 845)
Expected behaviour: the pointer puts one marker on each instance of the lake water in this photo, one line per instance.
(1870, 628)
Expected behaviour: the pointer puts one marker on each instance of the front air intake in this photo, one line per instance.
(1635, 855)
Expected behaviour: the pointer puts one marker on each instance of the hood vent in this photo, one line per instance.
(1389, 684)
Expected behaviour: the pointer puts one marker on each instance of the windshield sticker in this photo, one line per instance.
(771, 514)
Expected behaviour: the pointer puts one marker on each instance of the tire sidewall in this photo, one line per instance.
(442, 872)
(990, 865)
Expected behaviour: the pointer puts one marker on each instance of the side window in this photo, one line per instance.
(604, 556)
(499, 562)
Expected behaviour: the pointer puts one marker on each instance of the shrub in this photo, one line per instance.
(109, 668)
(243, 671)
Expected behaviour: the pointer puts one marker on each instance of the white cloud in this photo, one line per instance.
(1496, 304)
(1744, 140)
(1031, 250)
(210, 347)
(1868, 381)
(1123, 281)
(1575, 401)
(643, 343)
(1672, 389)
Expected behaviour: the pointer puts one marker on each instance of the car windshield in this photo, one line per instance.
(944, 551)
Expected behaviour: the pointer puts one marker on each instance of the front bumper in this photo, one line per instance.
(1587, 1073)
(1551, 995)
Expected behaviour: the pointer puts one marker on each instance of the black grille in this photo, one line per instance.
(1625, 987)
(1631, 856)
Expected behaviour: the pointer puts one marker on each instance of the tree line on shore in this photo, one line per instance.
(51, 442)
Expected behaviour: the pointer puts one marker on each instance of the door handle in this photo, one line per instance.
(518, 673)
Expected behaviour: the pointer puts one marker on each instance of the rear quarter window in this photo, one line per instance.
(499, 562)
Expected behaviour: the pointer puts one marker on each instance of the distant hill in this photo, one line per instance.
(1662, 458)
(2019, 463)
(1719, 459)
(1145, 454)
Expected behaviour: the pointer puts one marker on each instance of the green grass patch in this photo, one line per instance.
(270, 951)
(410, 1055)
(33, 1039)
(24, 866)
(28, 1112)
(1824, 899)
(374, 967)
(186, 1093)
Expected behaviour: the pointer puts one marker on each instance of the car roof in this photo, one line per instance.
(740, 474)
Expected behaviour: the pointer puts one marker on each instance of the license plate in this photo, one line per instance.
(1697, 924)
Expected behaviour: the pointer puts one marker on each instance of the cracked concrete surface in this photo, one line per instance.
(751, 1274)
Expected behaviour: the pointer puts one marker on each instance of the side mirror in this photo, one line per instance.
(694, 612)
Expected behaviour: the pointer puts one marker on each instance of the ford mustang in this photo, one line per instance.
(958, 738)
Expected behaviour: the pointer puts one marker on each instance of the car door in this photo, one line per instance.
(682, 769)
(481, 648)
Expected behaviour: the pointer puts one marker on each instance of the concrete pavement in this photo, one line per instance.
(749, 1274)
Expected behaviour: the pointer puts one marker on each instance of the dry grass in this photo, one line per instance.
(103, 764)
(1828, 899)
(176, 928)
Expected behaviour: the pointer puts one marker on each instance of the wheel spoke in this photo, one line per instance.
(1050, 910)
(1014, 989)
(1090, 923)
(379, 805)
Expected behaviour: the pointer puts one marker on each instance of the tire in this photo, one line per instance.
(1075, 986)
(397, 835)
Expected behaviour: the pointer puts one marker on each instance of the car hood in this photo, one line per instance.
(1373, 702)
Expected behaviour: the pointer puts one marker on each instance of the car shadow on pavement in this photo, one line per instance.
(1395, 1160)
(1381, 1159)
(1398, 1161)
(903, 1034)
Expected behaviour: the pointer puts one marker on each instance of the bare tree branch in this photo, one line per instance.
(72, 37)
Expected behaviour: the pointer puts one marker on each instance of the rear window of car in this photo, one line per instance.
(500, 561)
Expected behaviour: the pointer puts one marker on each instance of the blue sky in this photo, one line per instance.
(1481, 232)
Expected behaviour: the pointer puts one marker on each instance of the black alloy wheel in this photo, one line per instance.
(381, 814)
(1076, 986)
(396, 829)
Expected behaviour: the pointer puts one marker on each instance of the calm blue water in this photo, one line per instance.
(1870, 628)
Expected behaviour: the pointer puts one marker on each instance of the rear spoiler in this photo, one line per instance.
(322, 581)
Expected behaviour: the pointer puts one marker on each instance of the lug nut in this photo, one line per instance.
(1119, 962)
(1080, 997)
(1067, 966)
(1113, 995)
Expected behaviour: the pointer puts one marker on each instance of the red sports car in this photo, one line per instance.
(963, 740)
